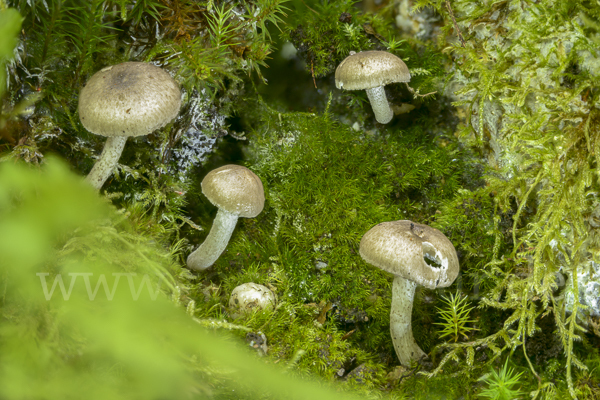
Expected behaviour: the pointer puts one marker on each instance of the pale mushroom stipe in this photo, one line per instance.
(400, 247)
(125, 100)
(371, 71)
(237, 192)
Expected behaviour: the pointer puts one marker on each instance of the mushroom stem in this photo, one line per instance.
(403, 293)
(379, 103)
(106, 163)
(215, 243)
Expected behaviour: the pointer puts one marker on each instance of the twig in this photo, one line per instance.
(238, 137)
(529, 362)
(309, 7)
(190, 222)
(460, 36)
(409, 374)
(416, 93)
(211, 323)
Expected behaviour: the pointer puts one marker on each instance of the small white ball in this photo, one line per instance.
(249, 297)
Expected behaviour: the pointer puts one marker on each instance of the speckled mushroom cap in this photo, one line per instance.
(370, 69)
(251, 296)
(399, 247)
(129, 99)
(235, 189)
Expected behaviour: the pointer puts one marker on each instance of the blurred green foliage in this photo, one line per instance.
(131, 346)
(10, 23)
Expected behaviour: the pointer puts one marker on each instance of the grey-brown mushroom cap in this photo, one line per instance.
(129, 99)
(399, 247)
(370, 69)
(235, 189)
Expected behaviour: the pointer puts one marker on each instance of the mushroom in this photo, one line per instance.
(371, 71)
(128, 99)
(400, 247)
(250, 297)
(237, 192)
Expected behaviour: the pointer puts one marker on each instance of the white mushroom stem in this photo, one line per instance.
(106, 163)
(379, 103)
(403, 293)
(215, 242)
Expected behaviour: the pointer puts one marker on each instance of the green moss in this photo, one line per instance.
(526, 81)
(325, 34)
(325, 186)
(209, 48)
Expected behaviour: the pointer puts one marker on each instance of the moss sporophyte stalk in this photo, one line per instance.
(495, 169)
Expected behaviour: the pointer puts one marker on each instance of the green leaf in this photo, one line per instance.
(10, 24)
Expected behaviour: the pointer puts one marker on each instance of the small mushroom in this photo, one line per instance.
(401, 247)
(237, 192)
(371, 71)
(249, 297)
(128, 99)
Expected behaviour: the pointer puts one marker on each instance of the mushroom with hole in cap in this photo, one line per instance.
(128, 99)
(371, 71)
(237, 192)
(400, 247)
